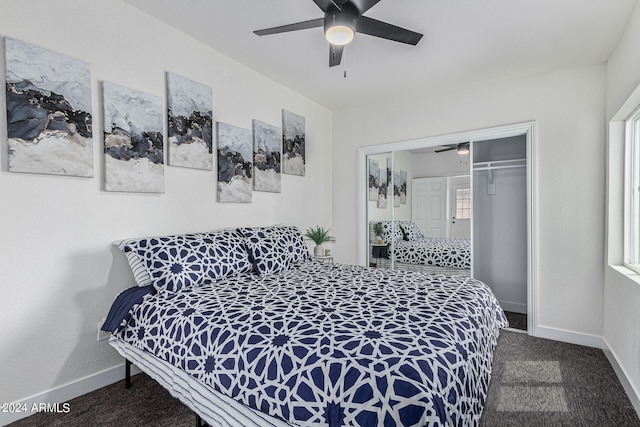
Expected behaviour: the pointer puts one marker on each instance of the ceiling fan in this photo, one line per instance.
(342, 19)
(463, 148)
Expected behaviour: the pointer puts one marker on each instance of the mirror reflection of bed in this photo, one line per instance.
(457, 209)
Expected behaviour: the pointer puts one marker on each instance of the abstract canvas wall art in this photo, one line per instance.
(133, 140)
(190, 123)
(396, 189)
(293, 143)
(49, 123)
(389, 173)
(403, 187)
(382, 191)
(374, 179)
(266, 157)
(235, 168)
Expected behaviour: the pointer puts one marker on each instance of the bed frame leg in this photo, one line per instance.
(127, 373)
(199, 422)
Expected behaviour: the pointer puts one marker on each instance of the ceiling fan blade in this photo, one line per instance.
(373, 27)
(323, 4)
(364, 5)
(314, 23)
(445, 149)
(335, 55)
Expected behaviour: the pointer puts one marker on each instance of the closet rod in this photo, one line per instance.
(490, 168)
(497, 164)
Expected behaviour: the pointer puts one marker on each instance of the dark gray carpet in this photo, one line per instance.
(535, 382)
(517, 320)
(539, 382)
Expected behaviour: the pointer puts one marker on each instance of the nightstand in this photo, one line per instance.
(379, 255)
(324, 259)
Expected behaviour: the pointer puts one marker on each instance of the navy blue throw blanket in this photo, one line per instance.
(124, 302)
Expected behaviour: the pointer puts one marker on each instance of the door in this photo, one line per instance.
(429, 205)
(460, 207)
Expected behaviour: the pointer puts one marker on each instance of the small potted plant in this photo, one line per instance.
(378, 230)
(319, 235)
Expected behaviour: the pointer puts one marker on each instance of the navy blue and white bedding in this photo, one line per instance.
(408, 245)
(432, 251)
(329, 344)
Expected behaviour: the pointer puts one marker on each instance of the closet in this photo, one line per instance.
(499, 240)
(501, 222)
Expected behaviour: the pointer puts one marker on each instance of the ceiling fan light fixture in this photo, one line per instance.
(339, 27)
(463, 149)
(339, 35)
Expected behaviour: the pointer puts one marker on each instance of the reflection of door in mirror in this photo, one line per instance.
(441, 206)
(429, 206)
(460, 207)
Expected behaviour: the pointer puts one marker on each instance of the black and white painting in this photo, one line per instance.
(133, 140)
(389, 173)
(266, 157)
(396, 189)
(293, 143)
(374, 179)
(49, 120)
(190, 123)
(382, 191)
(234, 164)
(403, 187)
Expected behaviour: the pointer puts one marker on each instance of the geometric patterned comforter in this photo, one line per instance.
(330, 344)
(438, 252)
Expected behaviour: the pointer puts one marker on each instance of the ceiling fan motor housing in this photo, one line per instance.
(346, 17)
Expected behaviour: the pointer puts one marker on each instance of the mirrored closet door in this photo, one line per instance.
(458, 209)
(419, 209)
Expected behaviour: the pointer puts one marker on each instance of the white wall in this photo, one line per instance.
(58, 272)
(622, 289)
(568, 106)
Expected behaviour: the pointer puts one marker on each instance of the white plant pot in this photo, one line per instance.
(318, 251)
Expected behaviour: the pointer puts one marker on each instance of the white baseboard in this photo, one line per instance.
(515, 307)
(570, 337)
(632, 393)
(65, 392)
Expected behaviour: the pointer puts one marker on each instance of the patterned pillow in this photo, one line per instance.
(391, 231)
(225, 254)
(412, 231)
(276, 248)
(268, 255)
(293, 241)
(172, 263)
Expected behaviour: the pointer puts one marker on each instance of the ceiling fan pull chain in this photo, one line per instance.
(344, 54)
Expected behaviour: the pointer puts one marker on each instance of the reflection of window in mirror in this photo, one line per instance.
(463, 203)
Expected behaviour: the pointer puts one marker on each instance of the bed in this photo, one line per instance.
(411, 250)
(276, 338)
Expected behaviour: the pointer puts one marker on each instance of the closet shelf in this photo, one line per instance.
(500, 164)
(495, 165)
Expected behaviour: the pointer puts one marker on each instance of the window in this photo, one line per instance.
(463, 203)
(632, 193)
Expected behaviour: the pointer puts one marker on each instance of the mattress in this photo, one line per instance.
(327, 345)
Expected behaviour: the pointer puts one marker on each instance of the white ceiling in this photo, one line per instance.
(466, 42)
